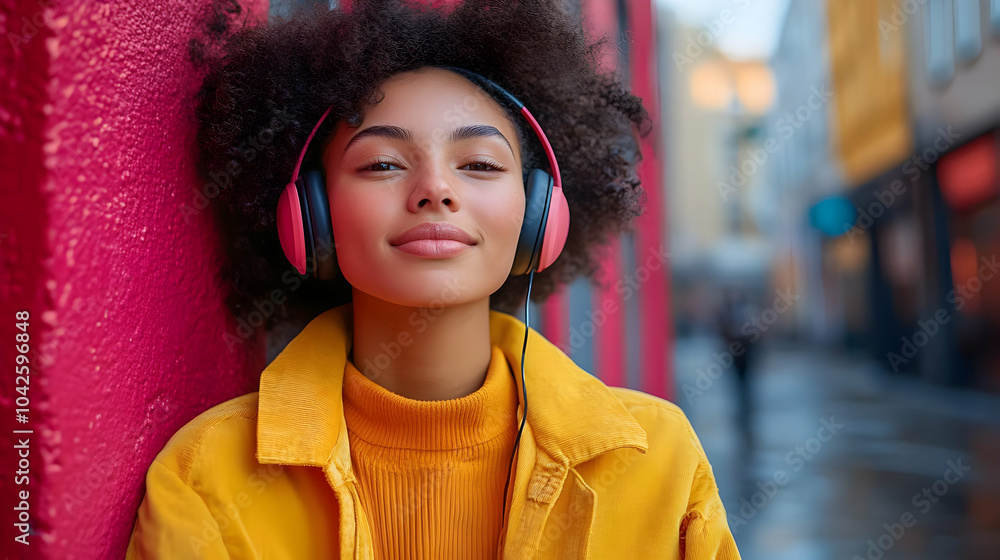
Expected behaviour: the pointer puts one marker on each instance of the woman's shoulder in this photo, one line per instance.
(667, 427)
(226, 428)
(633, 399)
(672, 477)
(650, 408)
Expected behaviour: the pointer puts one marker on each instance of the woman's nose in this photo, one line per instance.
(434, 188)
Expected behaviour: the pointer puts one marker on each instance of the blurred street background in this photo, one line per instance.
(833, 201)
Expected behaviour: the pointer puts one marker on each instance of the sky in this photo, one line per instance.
(751, 32)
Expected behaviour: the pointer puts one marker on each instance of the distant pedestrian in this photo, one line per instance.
(734, 319)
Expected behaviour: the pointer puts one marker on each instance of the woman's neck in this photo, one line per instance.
(422, 353)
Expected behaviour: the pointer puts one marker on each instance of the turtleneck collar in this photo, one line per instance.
(383, 418)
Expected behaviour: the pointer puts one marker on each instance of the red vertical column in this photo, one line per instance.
(106, 243)
(24, 224)
(601, 18)
(650, 279)
(555, 319)
(651, 272)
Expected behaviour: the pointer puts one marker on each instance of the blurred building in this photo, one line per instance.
(909, 138)
(714, 176)
(954, 91)
(802, 172)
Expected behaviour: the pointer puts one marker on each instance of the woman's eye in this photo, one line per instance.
(380, 166)
(482, 166)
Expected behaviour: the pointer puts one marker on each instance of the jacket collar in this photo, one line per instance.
(573, 415)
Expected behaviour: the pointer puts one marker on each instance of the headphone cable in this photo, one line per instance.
(524, 389)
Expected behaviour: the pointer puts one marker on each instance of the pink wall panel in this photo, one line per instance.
(126, 315)
(649, 279)
(601, 16)
(657, 333)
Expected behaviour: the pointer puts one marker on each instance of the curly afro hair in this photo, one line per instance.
(266, 87)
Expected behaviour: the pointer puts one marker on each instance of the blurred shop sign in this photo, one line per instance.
(968, 175)
(833, 216)
(871, 127)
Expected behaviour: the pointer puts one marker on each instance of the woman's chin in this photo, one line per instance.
(428, 283)
(439, 296)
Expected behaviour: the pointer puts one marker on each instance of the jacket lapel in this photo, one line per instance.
(573, 417)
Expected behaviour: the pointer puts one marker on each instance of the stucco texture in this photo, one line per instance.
(127, 316)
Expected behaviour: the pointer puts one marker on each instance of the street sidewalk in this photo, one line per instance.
(838, 458)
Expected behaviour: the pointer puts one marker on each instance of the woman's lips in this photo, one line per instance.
(433, 240)
(433, 230)
(434, 248)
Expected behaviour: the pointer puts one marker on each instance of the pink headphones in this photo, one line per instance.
(306, 232)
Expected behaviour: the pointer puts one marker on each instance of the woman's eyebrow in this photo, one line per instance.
(398, 133)
(385, 131)
(476, 131)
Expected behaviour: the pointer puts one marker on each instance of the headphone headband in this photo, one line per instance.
(490, 87)
(302, 155)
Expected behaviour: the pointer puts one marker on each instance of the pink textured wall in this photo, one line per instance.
(126, 315)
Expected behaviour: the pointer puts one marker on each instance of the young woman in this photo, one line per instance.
(402, 174)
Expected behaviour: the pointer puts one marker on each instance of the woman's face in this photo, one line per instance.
(436, 150)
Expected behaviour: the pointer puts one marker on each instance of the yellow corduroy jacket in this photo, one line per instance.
(601, 472)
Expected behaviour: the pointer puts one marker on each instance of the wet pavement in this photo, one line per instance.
(838, 459)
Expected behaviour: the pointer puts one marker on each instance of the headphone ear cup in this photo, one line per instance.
(320, 247)
(537, 194)
(291, 231)
(556, 229)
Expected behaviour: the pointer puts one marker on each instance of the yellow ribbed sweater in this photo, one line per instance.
(431, 474)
